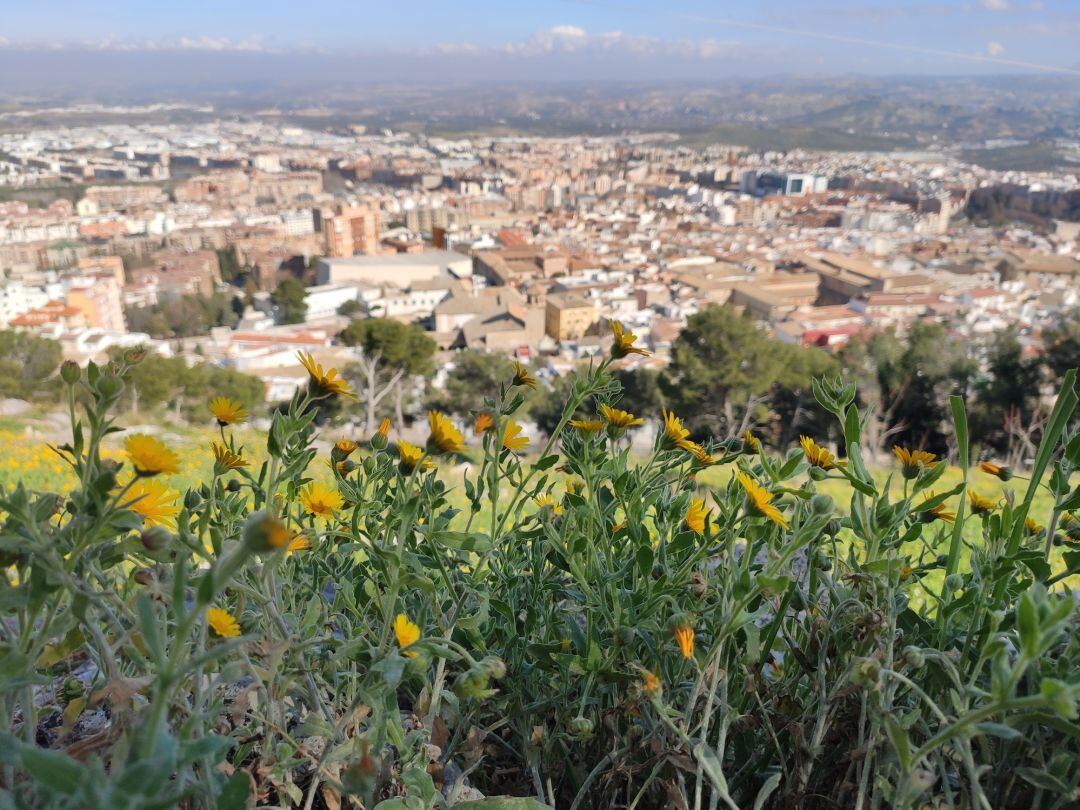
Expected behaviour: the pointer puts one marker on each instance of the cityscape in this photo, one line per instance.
(518, 245)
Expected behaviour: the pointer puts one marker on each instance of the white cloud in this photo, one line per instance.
(994, 48)
(564, 39)
(995, 5)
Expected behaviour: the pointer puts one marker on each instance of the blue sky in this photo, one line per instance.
(600, 38)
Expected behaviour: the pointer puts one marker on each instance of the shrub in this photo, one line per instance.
(566, 622)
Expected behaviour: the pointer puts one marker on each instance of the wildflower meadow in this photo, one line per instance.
(564, 624)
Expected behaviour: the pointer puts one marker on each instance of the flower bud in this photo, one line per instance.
(359, 776)
(109, 385)
(582, 727)
(954, 582)
(70, 372)
(263, 532)
(915, 657)
(192, 500)
(866, 673)
(156, 538)
(821, 504)
(71, 689)
(494, 667)
(233, 485)
(818, 474)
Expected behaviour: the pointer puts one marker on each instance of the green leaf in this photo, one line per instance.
(1042, 779)
(766, 790)
(998, 730)
(503, 803)
(236, 795)
(59, 771)
(899, 739)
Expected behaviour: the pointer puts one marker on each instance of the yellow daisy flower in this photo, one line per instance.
(548, 502)
(587, 426)
(913, 461)
(1004, 473)
(384, 427)
(410, 455)
(222, 623)
(939, 512)
(815, 454)
(345, 447)
(650, 684)
(981, 505)
(328, 381)
(695, 516)
(751, 443)
(149, 456)
(154, 501)
(522, 376)
(320, 500)
(226, 459)
(619, 419)
(623, 343)
(511, 440)
(445, 438)
(700, 454)
(760, 501)
(484, 422)
(227, 411)
(674, 432)
(407, 633)
(684, 636)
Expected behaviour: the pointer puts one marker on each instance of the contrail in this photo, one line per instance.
(848, 40)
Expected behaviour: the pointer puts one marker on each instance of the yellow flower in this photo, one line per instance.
(320, 500)
(227, 411)
(906, 571)
(650, 684)
(149, 456)
(484, 422)
(328, 381)
(546, 501)
(938, 512)
(760, 500)
(1004, 473)
(817, 455)
(700, 454)
(511, 440)
(226, 459)
(587, 426)
(222, 623)
(445, 438)
(345, 447)
(410, 455)
(407, 633)
(674, 432)
(522, 376)
(751, 443)
(981, 505)
(624, 342)
(299, 543)
(277, 534)
(684, 635)
(695, 516)
(1032, 526)
(154, 501)
(384, 427)
(913, 461)
(619, 419)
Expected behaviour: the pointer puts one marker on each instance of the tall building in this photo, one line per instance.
(98, 297)
(352, 230)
